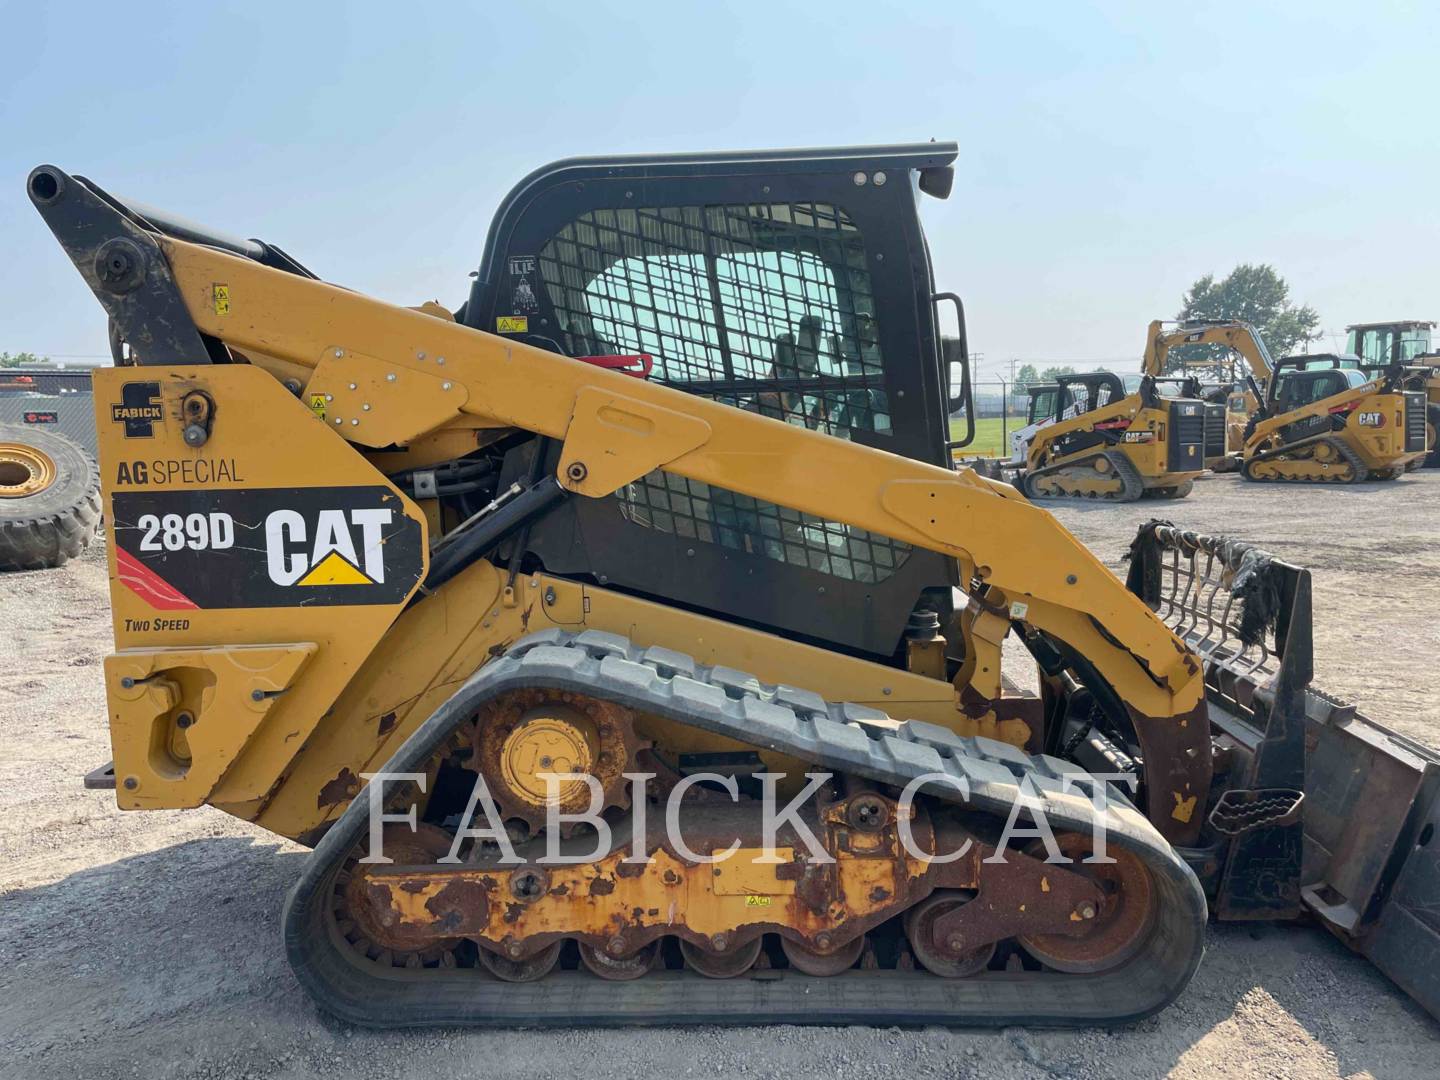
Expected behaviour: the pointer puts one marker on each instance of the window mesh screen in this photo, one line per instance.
(766, 307)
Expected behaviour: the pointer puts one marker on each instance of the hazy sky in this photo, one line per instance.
(1110, 153)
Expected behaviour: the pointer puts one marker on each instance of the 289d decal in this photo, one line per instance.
(289, 547)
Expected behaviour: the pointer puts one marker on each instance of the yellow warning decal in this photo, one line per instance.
(757, 901)
(512, 324)
(317, 405)
(334, 569)
(220, 294)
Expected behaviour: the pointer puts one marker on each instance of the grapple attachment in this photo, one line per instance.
(1317, 808)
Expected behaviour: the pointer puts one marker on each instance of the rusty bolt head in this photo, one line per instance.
(720, 942)
(528, 885)
(955, 943)
(616, 947)
(514, 949)
(576, 471)
(823, 941)
(1086, 910)
(868, 813)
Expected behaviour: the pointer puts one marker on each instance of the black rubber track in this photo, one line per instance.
(841, 737)
(1132, 486)
(1362, 473)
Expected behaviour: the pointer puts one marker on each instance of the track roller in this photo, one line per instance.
(934, 956)
(523, 970)
(831, 962)
(722, 963)
(619, 968)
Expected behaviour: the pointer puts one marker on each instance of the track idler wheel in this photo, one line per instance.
(934, 956)
(369, 933)
(619, 968)
(722, 963)
(522, 970)
(828, 962)
(1118, 929)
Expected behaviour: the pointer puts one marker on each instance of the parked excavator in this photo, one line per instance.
(1316, 421)
(661, 521)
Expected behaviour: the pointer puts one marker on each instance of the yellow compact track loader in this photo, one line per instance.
(526, 618)
(1323, 422)
(1112, 442)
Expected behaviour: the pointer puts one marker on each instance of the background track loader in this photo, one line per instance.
(1099, 435)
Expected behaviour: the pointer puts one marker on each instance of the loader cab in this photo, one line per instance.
(1379, 345)
(1088, 391)
(793, 284)
(1301, 381)
(1044, 399)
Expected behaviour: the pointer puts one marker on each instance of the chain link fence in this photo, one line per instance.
(1000, 409)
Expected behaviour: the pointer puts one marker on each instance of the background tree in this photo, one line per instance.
(24, 359)
(1050, 374)
(1255, 293)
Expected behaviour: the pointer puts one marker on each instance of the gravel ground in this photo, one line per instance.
(147, 944)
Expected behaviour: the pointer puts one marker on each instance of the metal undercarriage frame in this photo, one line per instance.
(840, 737)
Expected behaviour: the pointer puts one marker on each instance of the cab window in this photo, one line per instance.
(766, 307)
(1042, 405)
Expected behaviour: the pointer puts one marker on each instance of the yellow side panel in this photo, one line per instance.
(263, 528)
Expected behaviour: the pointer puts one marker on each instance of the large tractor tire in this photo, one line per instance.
(49, 498)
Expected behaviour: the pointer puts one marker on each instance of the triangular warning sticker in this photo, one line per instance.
(334, 569)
